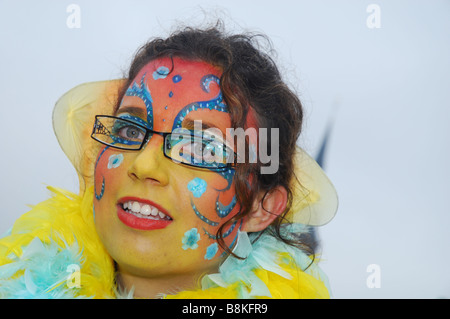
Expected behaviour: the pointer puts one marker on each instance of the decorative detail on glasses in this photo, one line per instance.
(99, 128)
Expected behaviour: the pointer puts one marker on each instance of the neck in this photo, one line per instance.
(158, 286)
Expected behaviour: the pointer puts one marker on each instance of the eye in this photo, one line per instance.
(207, 149)
(131, 132)
(203, 150)
(127, 131)
(198, 147)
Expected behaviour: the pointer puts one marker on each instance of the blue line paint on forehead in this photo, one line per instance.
(135, 119)
(143, 93)
(213, 104)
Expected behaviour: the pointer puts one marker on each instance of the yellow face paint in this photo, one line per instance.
(155, 216)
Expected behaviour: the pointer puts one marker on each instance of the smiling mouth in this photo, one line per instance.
(142, 214)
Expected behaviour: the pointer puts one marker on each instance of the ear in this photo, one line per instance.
(264, 213)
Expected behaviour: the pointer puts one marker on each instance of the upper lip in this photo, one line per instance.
(144, 201)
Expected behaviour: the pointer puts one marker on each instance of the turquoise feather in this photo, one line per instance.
(45, 271)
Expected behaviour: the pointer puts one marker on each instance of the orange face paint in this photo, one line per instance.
(156, 216)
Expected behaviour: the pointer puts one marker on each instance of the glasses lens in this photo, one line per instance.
(198, 150)
(118, 132)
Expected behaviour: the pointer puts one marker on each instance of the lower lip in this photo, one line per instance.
(140, 223)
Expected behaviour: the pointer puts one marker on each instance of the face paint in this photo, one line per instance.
(198, 201)
(115, 161)
(100, 195)
(176, 78)
(211, 251)
(160, 73)
(142, 92)
(222, 210)
(190, 239)
(197, 186)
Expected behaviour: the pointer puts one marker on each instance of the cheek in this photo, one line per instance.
(108, 169)
(213, 202)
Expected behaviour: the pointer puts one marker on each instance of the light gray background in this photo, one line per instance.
(387, 90)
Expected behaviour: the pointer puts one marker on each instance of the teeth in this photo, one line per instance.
(145, 209)
(136, 208)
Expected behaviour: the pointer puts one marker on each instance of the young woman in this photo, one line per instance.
(179, 196)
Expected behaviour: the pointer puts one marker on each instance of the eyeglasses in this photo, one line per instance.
(192, 148)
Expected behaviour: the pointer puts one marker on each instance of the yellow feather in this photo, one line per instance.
(67, 217)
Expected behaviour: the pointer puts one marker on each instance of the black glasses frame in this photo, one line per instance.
(149, 132)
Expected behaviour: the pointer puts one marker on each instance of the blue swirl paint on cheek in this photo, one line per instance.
(102, 191)
(100, 196)
(224, 210)
(234, 239)
(226, 234)
(203, 218)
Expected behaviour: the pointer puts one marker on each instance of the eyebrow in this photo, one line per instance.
(139, 111)
(189, 124)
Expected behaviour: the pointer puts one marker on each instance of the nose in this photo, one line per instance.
(148, 164)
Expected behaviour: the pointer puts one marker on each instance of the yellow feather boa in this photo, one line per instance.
(60, 232)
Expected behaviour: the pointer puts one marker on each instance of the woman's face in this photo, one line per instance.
(156, 216)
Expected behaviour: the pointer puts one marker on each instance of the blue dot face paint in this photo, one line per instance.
(163, 97)
(176, 78)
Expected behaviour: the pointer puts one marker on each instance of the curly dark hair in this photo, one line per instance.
(250, 79)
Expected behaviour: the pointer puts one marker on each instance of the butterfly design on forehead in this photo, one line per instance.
(214, 104)
(142, 91)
